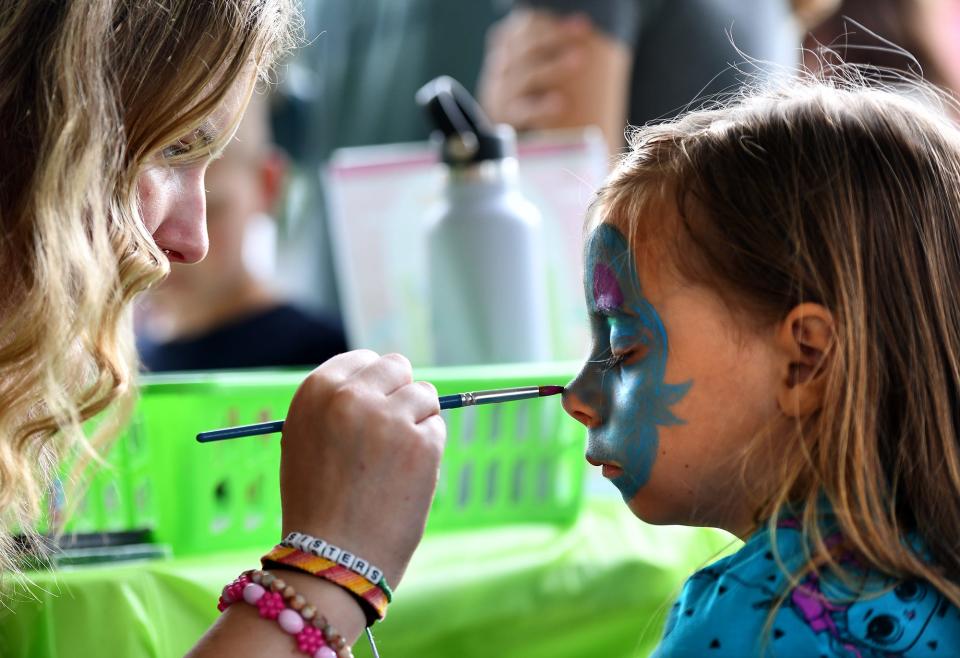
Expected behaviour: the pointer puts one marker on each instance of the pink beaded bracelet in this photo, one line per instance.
(274, 599)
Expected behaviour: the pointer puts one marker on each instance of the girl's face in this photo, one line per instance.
(172, 197)
(672, 391)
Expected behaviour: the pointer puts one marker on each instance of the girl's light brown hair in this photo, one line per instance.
(90, 93)
(846, 196)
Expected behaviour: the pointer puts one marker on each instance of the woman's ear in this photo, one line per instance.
(805, 337)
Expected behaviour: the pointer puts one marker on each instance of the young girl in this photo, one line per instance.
(776, 352)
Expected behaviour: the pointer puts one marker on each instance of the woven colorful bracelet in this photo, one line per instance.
(274, 599)
(373, 597)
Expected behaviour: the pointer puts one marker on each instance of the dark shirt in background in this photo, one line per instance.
(282, 336)
(684, 50)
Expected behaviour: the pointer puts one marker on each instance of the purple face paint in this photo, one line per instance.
(606, 291)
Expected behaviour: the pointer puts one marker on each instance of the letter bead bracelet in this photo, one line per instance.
(274, 599)
(314, 556)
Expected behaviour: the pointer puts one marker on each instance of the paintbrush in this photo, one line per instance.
(446, 402)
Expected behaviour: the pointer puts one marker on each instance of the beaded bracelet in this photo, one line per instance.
(274, 599)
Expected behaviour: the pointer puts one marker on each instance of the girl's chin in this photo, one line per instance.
(674, 510)
(656, 511)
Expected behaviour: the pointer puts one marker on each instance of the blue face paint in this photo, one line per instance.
(631, 399)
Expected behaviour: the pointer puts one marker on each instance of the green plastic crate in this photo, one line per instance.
(114, 497)
(516, 462)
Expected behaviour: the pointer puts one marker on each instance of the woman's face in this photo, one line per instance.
(172, 197)
(673, 389)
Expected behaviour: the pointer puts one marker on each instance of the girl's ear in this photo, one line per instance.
(805, 338)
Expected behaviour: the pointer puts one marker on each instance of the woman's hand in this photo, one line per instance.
(361, 452)
(360, 455)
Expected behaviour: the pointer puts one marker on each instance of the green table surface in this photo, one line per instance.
(598, 588)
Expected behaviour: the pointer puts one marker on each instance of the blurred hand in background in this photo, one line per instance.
(553, 64)
(545, 70)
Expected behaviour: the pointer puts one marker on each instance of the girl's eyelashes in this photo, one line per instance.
(613, 361)
(626, 357)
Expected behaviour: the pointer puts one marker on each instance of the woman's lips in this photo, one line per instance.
(609, 470)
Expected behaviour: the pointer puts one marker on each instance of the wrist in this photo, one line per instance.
(375, 553)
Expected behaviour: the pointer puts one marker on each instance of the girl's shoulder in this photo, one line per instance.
(745, 605)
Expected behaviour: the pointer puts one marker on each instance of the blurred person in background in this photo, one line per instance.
(354, 83)
(916, 36)
(223, 312)
(568, 63)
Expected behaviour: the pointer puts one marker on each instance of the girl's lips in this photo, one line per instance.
(609, 470)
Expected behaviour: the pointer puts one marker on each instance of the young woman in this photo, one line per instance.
(110, 112)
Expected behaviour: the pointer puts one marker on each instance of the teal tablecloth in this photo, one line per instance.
(599, 588)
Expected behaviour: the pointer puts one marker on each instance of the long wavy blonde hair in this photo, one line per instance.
(89, 93)
(847, 195)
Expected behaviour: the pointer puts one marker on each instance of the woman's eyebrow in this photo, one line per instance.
(207, 133)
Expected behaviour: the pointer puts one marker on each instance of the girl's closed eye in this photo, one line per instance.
(625, 357)
(612, 361)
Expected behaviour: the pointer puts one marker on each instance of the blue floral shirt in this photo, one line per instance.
(723, 610)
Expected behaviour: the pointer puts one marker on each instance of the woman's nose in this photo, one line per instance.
(575, 405)
(179, 212)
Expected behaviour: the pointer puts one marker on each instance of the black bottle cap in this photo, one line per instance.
(468, 136)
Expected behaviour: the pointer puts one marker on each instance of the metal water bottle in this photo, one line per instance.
(485, 242)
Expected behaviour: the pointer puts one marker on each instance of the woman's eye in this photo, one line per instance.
(176, 150)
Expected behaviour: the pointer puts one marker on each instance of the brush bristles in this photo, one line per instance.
(550, 390)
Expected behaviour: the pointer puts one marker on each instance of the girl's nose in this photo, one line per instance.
(574, 404)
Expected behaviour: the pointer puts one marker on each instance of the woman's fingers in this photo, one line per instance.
(340, 367)
(386, 374)
(418, 399)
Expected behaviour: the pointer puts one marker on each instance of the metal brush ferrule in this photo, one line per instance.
(503, 395)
